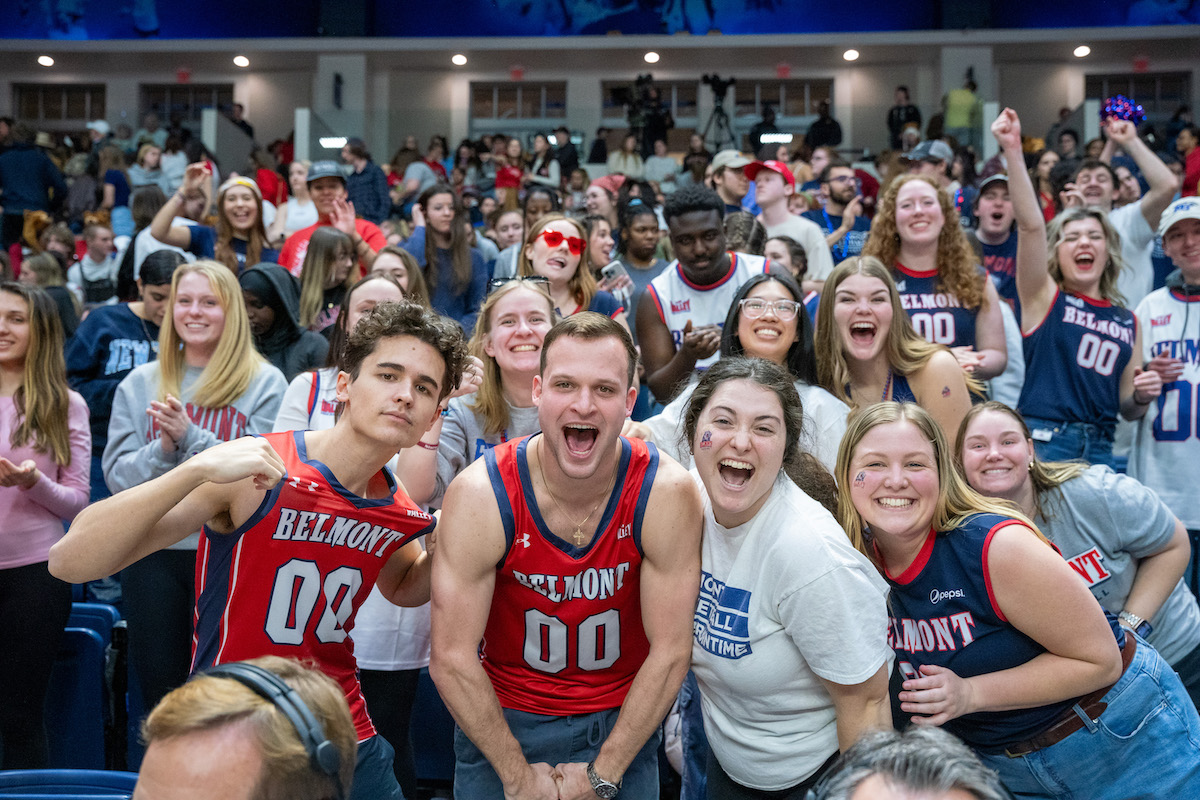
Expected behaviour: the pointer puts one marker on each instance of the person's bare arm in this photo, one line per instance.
(860, 707)
(195, 179)
(941, 389)
(1139, 387)
(470, 543)
(405, 578)
(1161, 181)
(117, 531)
(1158, 574)
(1035, 287)
(990, 344)
(1042, 597)
(670, 583)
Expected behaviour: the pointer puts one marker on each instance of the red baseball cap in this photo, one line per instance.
(779, 167)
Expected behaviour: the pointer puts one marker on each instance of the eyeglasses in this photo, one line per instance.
(538, 280)
(784, 310)
(554, 239)
(842, 179)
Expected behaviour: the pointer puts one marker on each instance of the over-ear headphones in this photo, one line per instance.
(323, 754)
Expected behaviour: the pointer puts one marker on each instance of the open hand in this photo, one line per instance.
(1171, 369)
(23, 476)
(341, 216)
(702, 342)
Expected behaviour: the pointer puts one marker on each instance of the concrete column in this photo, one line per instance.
(351, 118)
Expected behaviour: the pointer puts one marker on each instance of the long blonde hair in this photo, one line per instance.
(957, 267)
(582, 284)
(905, 349)
(324, 248)
(42, 400)
(1046, 476)
(956, 499)
(489, 400)
(235, 362)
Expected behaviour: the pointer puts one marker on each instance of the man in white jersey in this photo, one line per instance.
(1166, 443)
(679, 329)
(1095, 185)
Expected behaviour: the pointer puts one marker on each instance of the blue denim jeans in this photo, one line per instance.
(553, 740)
(1068, 440)
(1146, 744)
(695, 742)
(374, 778)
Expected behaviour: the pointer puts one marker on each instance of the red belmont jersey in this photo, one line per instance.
(289, 581)
(565, 632)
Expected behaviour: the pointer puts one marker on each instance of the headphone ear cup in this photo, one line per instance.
(326, 758)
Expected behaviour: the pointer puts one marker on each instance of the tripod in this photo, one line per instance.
(720, 119)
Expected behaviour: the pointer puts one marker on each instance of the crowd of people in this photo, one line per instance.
(785, 450)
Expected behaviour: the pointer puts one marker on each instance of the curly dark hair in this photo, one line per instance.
(408, 319)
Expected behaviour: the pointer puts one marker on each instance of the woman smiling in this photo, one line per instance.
(792, 661)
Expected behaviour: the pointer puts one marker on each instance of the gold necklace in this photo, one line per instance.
(578, 534)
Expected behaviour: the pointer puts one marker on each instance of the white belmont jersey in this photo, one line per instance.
(678, 300)
(1166, 442)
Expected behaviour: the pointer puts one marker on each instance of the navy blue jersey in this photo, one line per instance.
(1000, 261)
(1074, 360)
(943, 612)
(937, 314)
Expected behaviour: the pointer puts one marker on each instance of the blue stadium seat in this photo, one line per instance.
(31, 784)
(75, 702)
(99, 617)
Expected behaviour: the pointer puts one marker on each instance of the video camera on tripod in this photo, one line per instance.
(718, 85)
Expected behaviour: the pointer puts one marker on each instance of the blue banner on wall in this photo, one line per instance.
(218, 19)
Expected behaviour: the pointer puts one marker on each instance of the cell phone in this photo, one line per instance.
(613, 271)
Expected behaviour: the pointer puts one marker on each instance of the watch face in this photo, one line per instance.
(605, 790)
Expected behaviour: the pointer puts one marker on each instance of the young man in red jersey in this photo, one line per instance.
(298, 526)
(564, 588)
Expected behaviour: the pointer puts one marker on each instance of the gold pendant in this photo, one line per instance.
(578, 536)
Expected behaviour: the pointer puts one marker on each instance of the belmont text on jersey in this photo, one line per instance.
(290, 580)
(336, 531)
(565, 634)
(590, 584)
(1108, 327)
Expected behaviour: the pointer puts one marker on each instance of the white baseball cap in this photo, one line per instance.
(1181, 209)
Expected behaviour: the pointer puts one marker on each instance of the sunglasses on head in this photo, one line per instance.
(555, 238)
(537, 280)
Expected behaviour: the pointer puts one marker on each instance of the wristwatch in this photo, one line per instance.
(603, 789)
(1135, 623)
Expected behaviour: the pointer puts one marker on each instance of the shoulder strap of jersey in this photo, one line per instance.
(314, 392)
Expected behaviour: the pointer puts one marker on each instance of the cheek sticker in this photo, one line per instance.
(706, 440)
(860, 479)
(945, 391)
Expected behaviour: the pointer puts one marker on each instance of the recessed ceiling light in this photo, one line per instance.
(651, 57)
(241, 61)
(46, 61)
(458, 59)
(1083, 51)
(332, 142)
(850, 55)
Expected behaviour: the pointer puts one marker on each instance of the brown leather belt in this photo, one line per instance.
(1090, 706)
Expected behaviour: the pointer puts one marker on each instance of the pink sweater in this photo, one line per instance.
(32, 519)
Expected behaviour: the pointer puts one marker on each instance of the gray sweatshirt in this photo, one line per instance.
(134, 455)
(462, 439)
